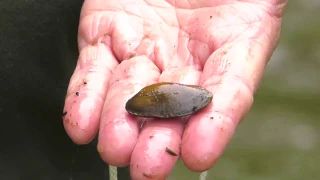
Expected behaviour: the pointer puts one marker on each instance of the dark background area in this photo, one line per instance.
(38, 52)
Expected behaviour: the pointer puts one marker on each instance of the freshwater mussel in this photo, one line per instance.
(168, 100)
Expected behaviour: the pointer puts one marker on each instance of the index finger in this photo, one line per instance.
(87, 91)
(232, 74)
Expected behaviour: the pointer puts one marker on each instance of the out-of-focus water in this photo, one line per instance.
(280, 138)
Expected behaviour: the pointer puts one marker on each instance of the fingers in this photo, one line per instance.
(232, 74)
(118, 130)
(150, 157)
(86, 92)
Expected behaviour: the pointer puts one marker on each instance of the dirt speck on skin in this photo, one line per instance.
(72, 123)
(211, 117)
(77, 93)
(149, 176)
(172, 153)
(99, 148)
(64, 113)
(85, 82)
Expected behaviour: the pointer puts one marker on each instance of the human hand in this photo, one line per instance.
(222, 45)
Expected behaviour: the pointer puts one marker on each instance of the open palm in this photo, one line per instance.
(222, 45)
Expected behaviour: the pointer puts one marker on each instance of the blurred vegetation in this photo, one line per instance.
(279, 139)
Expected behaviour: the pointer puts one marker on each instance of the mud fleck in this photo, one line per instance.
(99, 148)
(64, 113)
(77, 93)
(72, 123)
(211, 117)
(147, 175)
(172, 153)
(194, 108)
(85, 82)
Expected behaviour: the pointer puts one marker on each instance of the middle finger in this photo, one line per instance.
(118, 130)
(151, 157)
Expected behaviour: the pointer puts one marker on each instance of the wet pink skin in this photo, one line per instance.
(222, 45)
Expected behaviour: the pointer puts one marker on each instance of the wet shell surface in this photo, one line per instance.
(168, 100)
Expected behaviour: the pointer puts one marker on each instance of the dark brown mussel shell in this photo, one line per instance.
(168, 100)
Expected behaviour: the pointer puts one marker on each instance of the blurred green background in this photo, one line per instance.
(280, 138)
